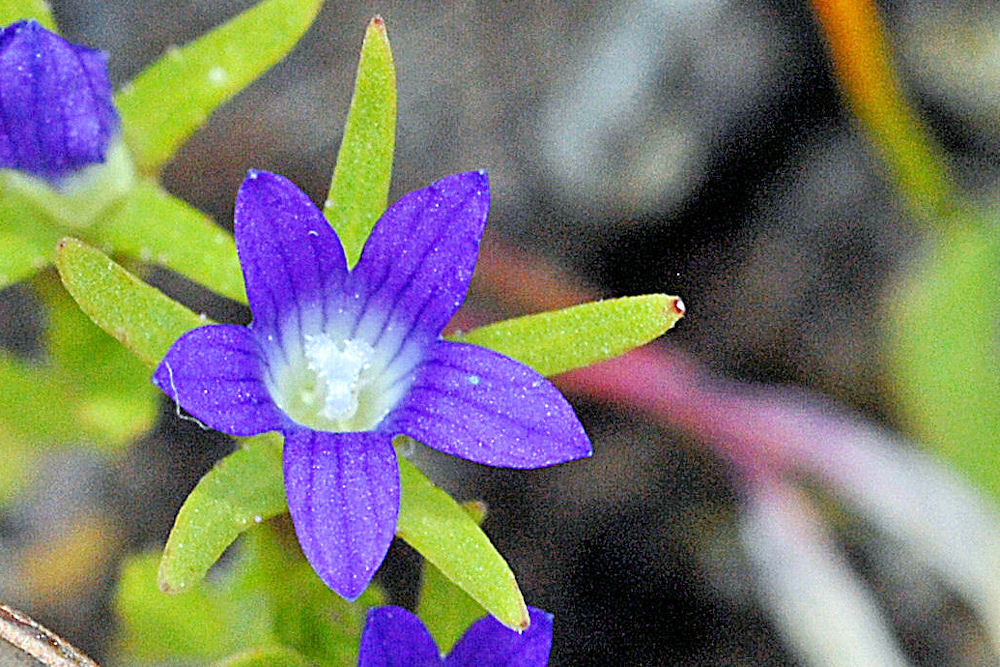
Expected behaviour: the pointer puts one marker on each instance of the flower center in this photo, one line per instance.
(328, 389)
(340, 375)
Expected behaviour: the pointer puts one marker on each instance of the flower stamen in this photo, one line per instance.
(340, 373)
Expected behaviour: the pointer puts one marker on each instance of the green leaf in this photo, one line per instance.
(560, 340)
(308, 615)
(360, 187)
(144, 319)
(154, 226)
(446, 610)
(242, 490)
(247, 487)
(27, 238)
(21, 257)
(944, 349)
(271, 656)
(111, 407)
(208, 623)
(447, 536)
(174, 96)
(16, 10)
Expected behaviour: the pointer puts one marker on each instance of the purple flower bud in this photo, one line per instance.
(56, 111)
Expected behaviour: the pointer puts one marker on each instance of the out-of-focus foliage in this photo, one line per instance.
(174, 96)
(267, 598)
(943, 316)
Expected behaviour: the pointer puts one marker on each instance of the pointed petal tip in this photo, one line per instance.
(352, 590)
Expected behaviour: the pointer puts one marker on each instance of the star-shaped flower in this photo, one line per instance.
(56, 110)
(341, 361)
(393, 637)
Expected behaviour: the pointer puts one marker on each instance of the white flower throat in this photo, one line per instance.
(340, 375)
(331, 385)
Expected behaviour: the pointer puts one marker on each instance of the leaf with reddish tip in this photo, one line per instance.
(557, 341)
(360, 187)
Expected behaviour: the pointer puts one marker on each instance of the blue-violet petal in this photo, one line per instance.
(343, 495)
(479, 405)
(293, 263)
(394, 637)
(217, 374)
(489, 644)
(415, 269)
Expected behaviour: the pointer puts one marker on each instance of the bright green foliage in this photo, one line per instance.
(112, 405)
(154, 226)
(271, 656)
(145, 320)
(446, 610)
(242, 490)
(944, 350)
(268, 597)
(450, 538)
(248, 483)
(360, 187)
(208, 623)
(16, 10)
(560, 340)
(246, 487)
(26, 239)
(174, 96)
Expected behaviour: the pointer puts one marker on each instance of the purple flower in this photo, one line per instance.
(56, 112)
(341, 361)
(393, 637)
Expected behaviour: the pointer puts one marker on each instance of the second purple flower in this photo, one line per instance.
(340, 361)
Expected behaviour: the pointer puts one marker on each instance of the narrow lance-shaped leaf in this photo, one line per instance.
(174, 96)
(143, 318)
(360, 187)
(242, 490)
(154, 226)
(17, 10)
(449, 537)
(560, 340)
(446, 610)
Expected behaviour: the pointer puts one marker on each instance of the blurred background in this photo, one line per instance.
(693, 147)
